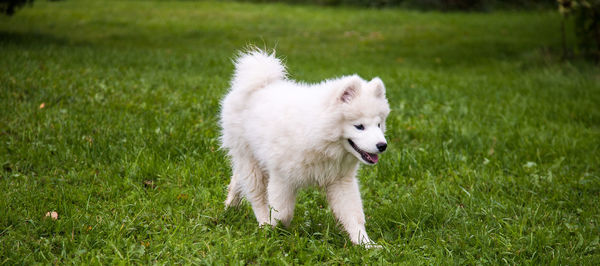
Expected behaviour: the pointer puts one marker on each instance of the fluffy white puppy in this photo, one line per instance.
(282, 136)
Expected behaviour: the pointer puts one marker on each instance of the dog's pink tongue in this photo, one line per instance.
(374, 158)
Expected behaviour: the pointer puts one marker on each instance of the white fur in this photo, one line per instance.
(283, 136)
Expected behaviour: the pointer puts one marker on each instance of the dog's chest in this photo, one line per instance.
(325, 171)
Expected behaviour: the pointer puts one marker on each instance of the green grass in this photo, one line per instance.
(494, 143)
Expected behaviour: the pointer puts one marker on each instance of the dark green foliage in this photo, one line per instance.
(587, 29)
(586, 14)
(8, 7)
(476, 5)
(450, 4)
(444, 5)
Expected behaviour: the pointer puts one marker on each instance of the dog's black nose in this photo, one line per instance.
(381, 146)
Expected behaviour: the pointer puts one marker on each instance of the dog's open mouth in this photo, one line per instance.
(367, 157)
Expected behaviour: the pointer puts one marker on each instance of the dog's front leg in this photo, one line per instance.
(344, 199)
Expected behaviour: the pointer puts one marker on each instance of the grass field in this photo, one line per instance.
(108, 116)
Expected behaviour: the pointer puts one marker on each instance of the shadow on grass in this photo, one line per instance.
(26, 39)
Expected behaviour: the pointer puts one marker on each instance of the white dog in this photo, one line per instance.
(283, 136)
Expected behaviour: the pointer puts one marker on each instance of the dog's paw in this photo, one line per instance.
(372, 245)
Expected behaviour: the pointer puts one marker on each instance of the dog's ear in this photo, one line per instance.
(350, 89)
(378, 86)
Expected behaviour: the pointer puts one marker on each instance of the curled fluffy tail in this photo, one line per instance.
(256, 69)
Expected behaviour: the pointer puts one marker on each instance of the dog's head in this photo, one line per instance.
(365, 109)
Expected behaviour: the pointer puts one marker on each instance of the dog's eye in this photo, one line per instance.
(359, 127)
(378, 125)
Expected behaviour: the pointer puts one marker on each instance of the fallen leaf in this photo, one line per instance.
(375, 36)
(42, 105)
(182, 197)
(53, 215)
(149, 184)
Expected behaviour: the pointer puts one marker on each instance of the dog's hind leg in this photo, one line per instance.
(249, 179)
(233, 193)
